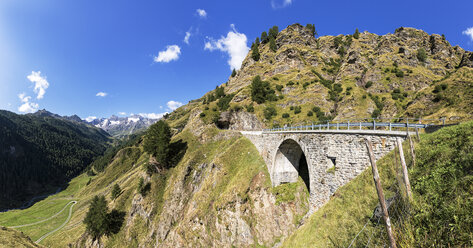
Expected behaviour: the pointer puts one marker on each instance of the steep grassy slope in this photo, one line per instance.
(12, 238)
(39, 154)
(439, 216)
(344, 77)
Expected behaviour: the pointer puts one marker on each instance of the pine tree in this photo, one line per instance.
(273, 32)
(255, 53)
(234, 72)
(258, 92)
(311, 28)
(96, 220)
(157, 142)
(264, 37)
(116, 191)
(272, 44)
(356, 35)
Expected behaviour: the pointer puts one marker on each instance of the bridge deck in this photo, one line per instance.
(340, 131)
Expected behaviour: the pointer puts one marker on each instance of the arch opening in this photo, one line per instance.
(290, 163)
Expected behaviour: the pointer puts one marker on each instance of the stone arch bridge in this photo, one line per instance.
(324, 159)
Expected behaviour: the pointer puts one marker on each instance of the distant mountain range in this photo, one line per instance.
(122, 126)
(115, 126)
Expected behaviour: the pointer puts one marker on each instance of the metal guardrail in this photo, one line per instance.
(354, 125)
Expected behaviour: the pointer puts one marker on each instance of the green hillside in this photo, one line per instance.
(215, 191)
(438, 216)
(38, 154)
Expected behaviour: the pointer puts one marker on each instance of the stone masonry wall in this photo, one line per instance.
(322, 149)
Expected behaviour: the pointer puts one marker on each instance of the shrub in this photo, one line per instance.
(310, 113)
(376, 113)
(224, 102)
(261, 91)
(399, 73)
(279, 87)
(421, 55)
(290, 83)
(116, 191)
(305, 85)
(401, 50)
(297, 110)
(250, 108)
(369, 84)
(285, 115)
(234, 73)
(269, 112)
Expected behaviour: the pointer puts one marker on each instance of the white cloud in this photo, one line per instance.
(102, 94)
(173, 105)
(27, 106)
(90, 118)
(202, 13)
(122, 113)
(234, 44)
(469, 32)
(277, 4)
(40, 83)
(152, 115)
(187, 37)
(171, 53)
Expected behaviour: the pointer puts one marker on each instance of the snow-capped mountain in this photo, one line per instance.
(121, 126)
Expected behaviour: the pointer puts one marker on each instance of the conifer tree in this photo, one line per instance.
(272, 44)
(234, 72)
(157, 142)
(264, 37)
(96, 219)
(356, 35)
(255, 53)
(311, 28)
(116, 191)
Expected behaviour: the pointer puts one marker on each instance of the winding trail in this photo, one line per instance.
(41, 221)
(61, 226)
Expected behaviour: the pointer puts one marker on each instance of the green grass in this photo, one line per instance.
(45, 209)
(12, 238)
(439, 214)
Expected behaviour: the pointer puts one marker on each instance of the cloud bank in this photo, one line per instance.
(40, 83)
(27, 106)
(173, 105)
(234, 44)
(171, 53)
(202, 13)
(101, 94)
(277, 4)
(469, 33)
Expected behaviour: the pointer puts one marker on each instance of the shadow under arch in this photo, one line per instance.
(290, 162)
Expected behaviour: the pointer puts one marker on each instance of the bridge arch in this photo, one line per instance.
(291, 162)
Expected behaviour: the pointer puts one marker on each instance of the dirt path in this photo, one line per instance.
(61, 226)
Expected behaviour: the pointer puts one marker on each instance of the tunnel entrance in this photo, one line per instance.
(290, 163)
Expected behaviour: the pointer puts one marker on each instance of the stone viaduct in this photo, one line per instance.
(324, 159)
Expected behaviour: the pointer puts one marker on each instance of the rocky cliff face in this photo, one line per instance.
(344, 75)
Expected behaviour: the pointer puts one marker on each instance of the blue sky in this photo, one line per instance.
(98, 58)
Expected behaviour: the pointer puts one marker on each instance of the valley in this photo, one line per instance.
(275, 156)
